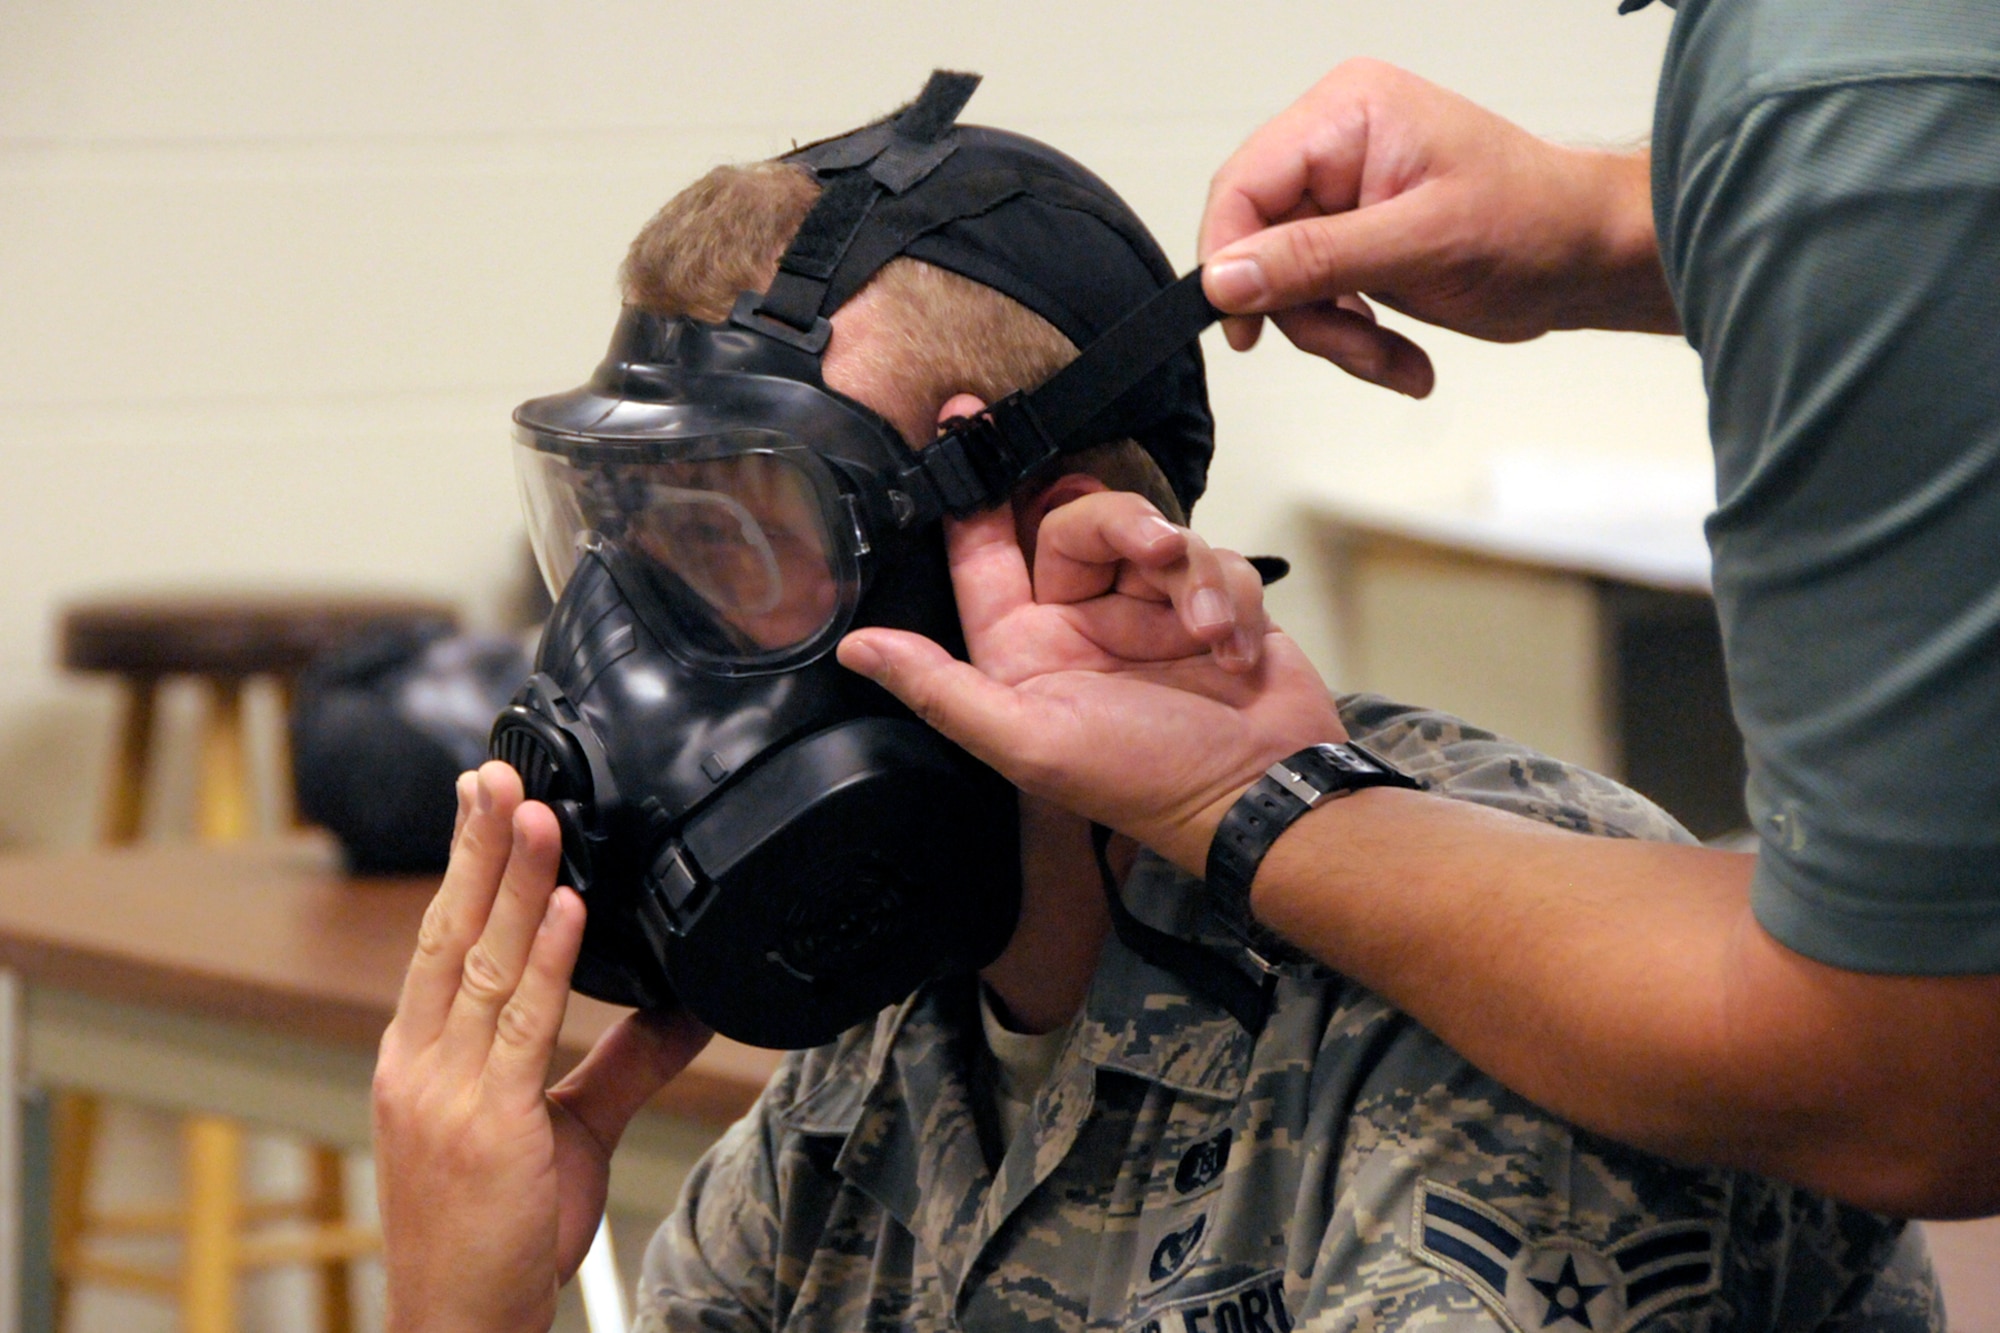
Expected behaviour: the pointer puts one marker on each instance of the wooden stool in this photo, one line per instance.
(224, 642)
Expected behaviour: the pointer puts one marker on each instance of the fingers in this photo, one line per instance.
(469, 1181)
(1307, 274)
(1373, 249)
(457, 914)
(1242, 331)
(1308, 157)
(525, 1031)
(498, 959)
(1354, 145)
(1116, 541)
(467, 783)
(1262, 169)
(1132, 631)
(989, 575)
(1215, 605)
(631, 1062)
(1360, 347)
(1082, 544)
(1243, 649)
(1138, 630)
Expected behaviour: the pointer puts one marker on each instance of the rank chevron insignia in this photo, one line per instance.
(1560, 1284)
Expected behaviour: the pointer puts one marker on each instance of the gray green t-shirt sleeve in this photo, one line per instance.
(1827, 187)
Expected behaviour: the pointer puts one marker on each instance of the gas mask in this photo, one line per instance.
(758, 834)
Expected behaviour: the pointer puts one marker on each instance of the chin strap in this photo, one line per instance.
(1204, 970)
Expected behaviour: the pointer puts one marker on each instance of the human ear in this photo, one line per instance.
(959, 405)
(1032, 508)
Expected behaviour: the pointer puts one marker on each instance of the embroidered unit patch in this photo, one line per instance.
(1202, 1164)
(1560, 1283)
(1171, 1255)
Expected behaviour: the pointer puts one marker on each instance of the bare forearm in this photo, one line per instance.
(1619, 283)
(1626, 986)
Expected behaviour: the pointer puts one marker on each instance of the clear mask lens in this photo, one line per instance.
(716, 546)
(737, 545)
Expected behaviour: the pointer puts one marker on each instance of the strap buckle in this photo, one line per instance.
(811, 340)
(975, 463)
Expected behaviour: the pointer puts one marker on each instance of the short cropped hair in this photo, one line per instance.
(939, 333)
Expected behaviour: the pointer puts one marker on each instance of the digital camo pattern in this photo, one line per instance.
(1343, 1171)
(1465, 762)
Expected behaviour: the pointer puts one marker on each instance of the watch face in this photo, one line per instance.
(1350, 759)
(1345, 766)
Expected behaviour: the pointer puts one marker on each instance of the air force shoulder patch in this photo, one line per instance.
(1559, 1284)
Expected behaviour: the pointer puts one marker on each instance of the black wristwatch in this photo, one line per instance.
(1287, 790)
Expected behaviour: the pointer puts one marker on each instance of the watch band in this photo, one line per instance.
(1287, 790)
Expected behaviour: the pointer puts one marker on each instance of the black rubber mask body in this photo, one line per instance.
(780, 847)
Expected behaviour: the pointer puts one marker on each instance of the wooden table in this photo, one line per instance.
(255, 980)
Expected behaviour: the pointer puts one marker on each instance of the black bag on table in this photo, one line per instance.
(381, 728)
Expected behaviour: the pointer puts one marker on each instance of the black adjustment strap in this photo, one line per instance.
(1205, 971)
(855, 149)
(936, 109)
(800, 285)
(897, 154)
(1128, 352)
(977, 462)
(974, 465)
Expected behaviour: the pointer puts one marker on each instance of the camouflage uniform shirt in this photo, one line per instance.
(1344, 1170)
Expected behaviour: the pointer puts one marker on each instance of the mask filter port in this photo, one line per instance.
(554, 771)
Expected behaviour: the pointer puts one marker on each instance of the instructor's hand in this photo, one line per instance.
(491, 1188)
(1379, 183)
(1076, 703)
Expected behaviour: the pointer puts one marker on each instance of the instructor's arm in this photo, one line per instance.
(1817, 279)
(1623, 985)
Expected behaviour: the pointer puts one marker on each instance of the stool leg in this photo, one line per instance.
(125, 802)
(213, 1148)
(287, 814)
(73, 1132)
(223, 802)
(329, 1209)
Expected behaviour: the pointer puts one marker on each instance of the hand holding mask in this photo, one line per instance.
(491, 1189)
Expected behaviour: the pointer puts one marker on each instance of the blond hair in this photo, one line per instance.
(936, 333)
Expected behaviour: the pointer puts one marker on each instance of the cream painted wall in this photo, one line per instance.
(271, 276)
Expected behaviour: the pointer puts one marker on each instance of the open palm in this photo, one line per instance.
(1105, 704)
